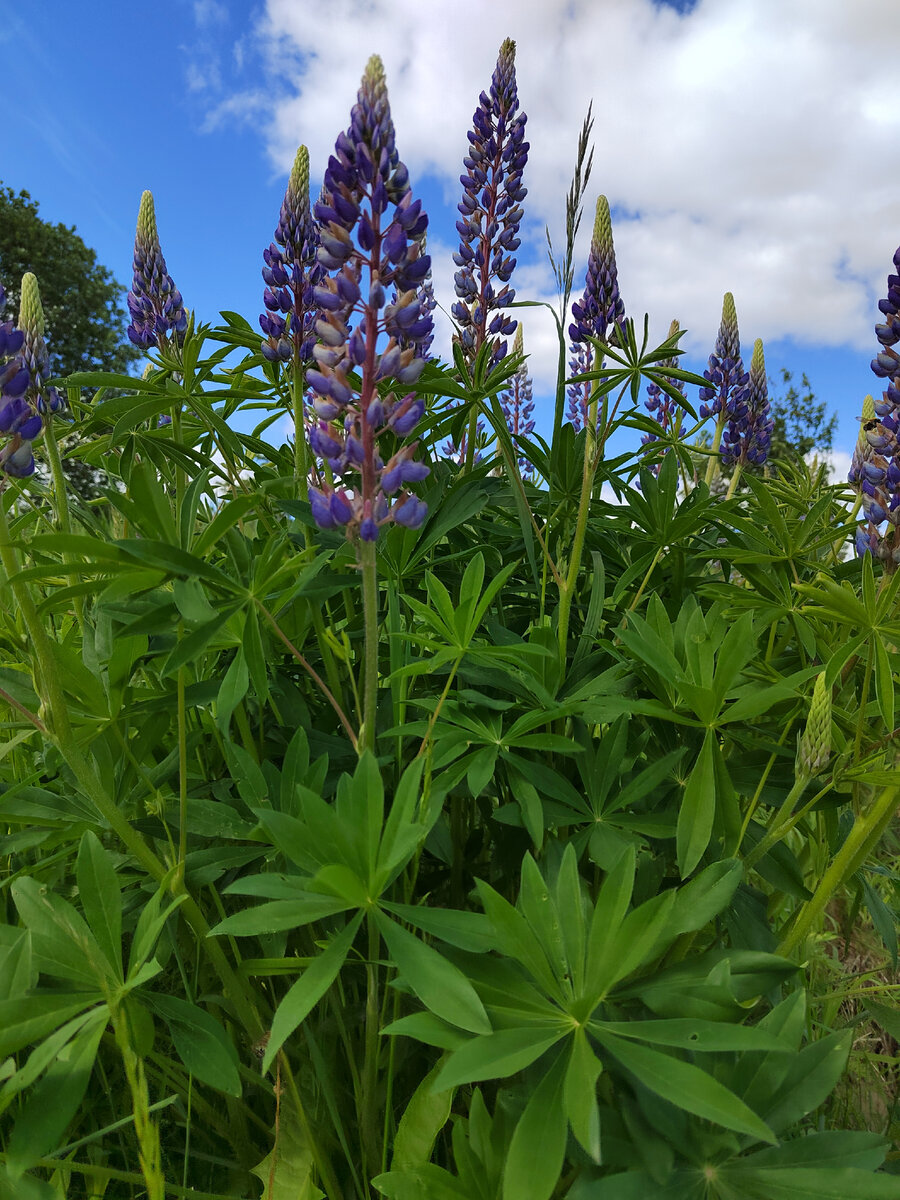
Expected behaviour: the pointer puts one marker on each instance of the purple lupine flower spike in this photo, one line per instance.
(291, 273)
(21, 381)
(156, 307)
(661, 405)
(490, 212)
(725, 371)
(875, 470)
(517, 403)
(749, 430)
(425, 297)
(371, 234)
(599, 312)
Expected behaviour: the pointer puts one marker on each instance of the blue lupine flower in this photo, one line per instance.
(291, 273)
(490, 212)
(371, 234)
(21, 380)
(517, 403)
(663, 407)
(875, 469)
(749, 431)
(156, 307)
(597, 315)
(725, 372)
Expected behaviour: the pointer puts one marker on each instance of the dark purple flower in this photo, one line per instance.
(371, 237)
(517, 403)
(21, 380)
(749, 430)
(291, 274)
(156, 307)
(725, 372)
(491, 212)
(599, 312)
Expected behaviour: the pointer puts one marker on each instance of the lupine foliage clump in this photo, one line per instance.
(381, 824)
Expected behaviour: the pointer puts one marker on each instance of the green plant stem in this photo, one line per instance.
(776, 833)
(182, 768)
(861, 841)
(60, 498)
(369, 1116)
(735, 479)
(370, 662)
(470, 439)
(310, 670)
(301, 467)
(95, 1171)
(637, 598)
(149, 1152)
(713, 465)
(567, 589)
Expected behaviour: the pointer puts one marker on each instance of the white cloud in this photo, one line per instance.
(747, 146)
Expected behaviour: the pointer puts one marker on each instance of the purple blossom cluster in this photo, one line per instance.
(661, 405)
(291, 273)
(155, 304)
(456, 452)
(599, 312)
(18, 420)
(727, 379)
(748, 433)
(517, 403)
(370, 235)
(491, 212)
(875, 469)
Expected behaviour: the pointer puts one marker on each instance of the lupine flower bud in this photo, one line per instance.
(727, 378)
(814, 747)
(291, 273)
(661, 404)
(517, 403)
(370, 238)
(490, 212)
(155, 304)
(749, 430)
(599, 312)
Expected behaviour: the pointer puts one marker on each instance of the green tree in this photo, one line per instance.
(83, 302)
(800, 420)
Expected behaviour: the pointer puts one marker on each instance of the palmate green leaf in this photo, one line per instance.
(62, 943)
(694, 1034)
(698, 808)
(538, 1146)
(497, 1055)
(280, 914)
(43, 1055)
(101, 898)
(201, 1042)
(516, 939)
(416, 1183)
(28, 1019)
(811, 1183)
(232, 691)
(17, 974)
(809, 1081)
(426, 1027)
(308, 990)
(424, 1117)
(686, 1086)
(56, 1099)
(442, 987)
(580, 1094)
(466, 930)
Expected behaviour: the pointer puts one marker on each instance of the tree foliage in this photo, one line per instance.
(83, 302)
(800, 420)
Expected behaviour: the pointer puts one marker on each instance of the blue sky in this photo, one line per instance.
(744, 145)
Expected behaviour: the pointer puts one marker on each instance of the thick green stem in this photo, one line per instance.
(370, 662)
(777, 829)
(713, 465)
(567, 590)
(470, 439)
(861, 841)
(369, 1123)
(301, 467)
(60, 498)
